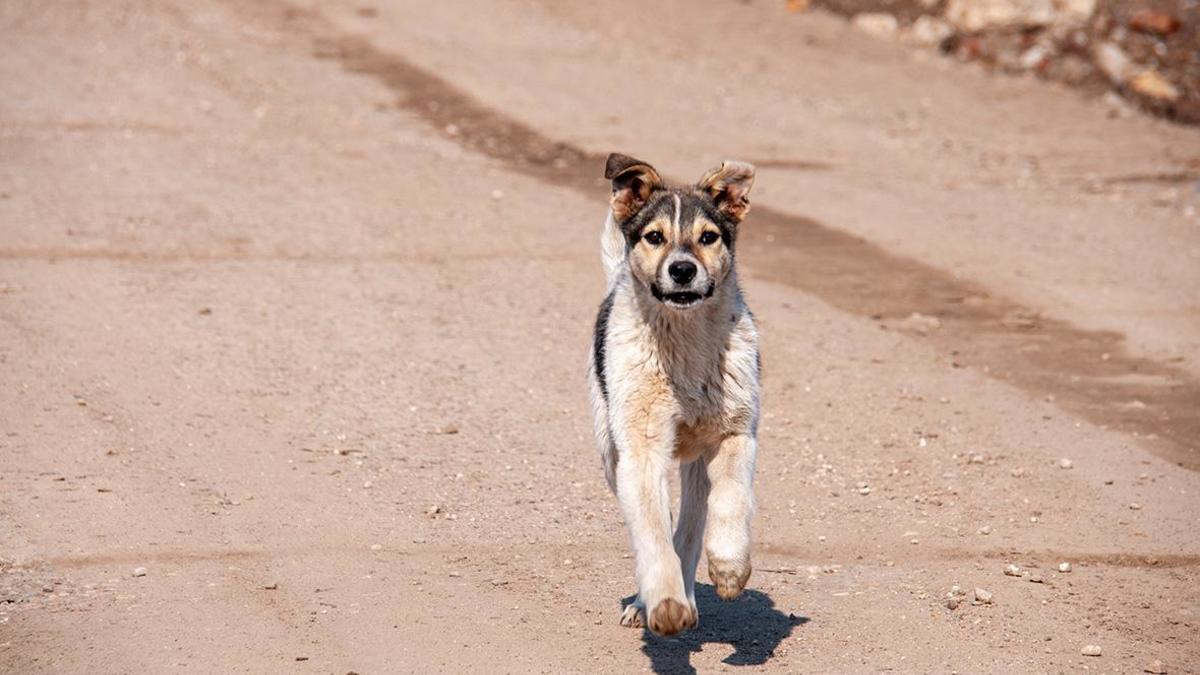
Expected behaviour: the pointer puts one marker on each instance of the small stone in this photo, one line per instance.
(920, 324)
(433, 510)
(376, 547)
(1135, 506)
(1065, 463)
(1114, 63)
(957, 590)
(952, 603)
(986, 529)
(975, 459)
(983, 597)
(929, 30)
(1011, 570)
(864, 490)
(1152, 84)
(876, 24)
(1091, 650)
(1155, 667)
(1064, 567)
(1017, 472)
(274, 585)
(1150, 21)
(139, 571)
(1037, 578)
(1034, 57)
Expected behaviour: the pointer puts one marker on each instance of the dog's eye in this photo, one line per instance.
(709, 238)
(653, 238)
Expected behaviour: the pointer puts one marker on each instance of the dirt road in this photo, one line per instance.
(294, 312)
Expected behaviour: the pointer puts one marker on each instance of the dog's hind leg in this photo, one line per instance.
(645, 501)
(730, 506)
(689, 531)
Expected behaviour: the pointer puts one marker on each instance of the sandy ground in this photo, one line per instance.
(295, 306)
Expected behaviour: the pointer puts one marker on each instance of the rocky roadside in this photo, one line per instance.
(1139, 53)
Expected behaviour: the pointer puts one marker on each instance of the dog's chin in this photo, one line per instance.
(681, 299)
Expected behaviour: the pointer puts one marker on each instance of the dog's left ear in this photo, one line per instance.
(729, 186)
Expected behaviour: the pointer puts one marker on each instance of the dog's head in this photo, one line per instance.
(679, 241)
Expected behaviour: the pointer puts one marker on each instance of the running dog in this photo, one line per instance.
(674, 379)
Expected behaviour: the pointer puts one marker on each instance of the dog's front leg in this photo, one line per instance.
(645, 500)
(730, 506)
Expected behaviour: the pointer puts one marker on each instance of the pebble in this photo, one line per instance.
(1152, 84)
(1064, 567)
(1065, 463)
(1012, 570)
(986, 529)
(877, 24)
(1113, 62)
(1091, 650)
(921, 324)
(433, 510)
(952, 603)
(1155, 667)
(1037, 579)
(376, 547)
(1135, 506)
(139, 571)
(929, 30)
(975, 459)
(983, 597)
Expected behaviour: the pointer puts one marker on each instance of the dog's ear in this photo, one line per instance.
(632, 182)
(729, 186)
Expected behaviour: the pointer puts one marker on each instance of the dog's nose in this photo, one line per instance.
(682, 271)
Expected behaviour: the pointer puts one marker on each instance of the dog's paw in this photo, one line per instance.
(729, 577)
(634, 615)
(671, 616)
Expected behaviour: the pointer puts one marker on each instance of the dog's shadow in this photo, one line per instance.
(751, 624)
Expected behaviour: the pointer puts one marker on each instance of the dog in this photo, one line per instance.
(674, 380)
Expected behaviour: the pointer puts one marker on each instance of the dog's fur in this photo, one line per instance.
(674, 378)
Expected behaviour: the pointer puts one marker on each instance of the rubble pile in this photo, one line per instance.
(1148, 51)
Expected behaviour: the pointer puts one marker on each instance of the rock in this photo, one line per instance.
(1037, 579)
(1114, 63)
(877, 24)
(1012, 571)
(975, 459)
(139, 571)
(976, 15)
(1155, 667)
(273, 586)
(1065, 463)
(1135, 506)
(433, 510)
(986, 529)
(920, 323)
(1151, 84)
(929, 31)
(1151, 21)
(376, 547)
(1091, 650)
(1034, 57)
(983, 597)
(952, 603)
(1064, 567)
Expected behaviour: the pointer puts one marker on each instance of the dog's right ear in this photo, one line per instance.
(632, 182)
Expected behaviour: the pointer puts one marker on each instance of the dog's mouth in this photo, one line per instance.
(681, 299)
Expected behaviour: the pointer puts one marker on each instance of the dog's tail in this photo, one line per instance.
(612, 249)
